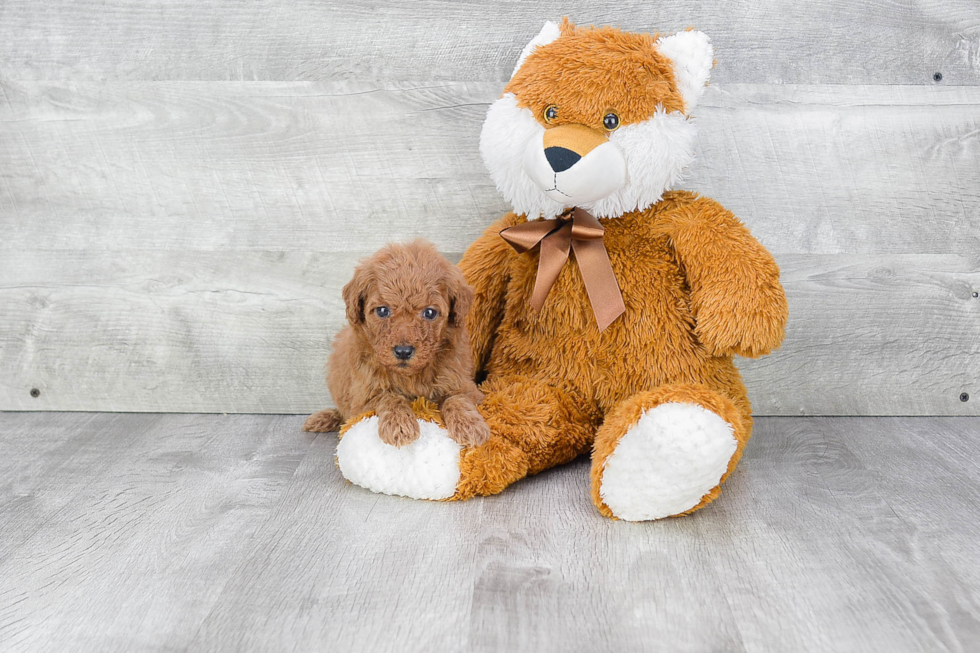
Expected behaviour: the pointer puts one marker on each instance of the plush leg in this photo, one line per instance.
(533, 427)
(666, 452)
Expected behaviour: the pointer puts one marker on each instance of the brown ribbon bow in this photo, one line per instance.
(583, 234)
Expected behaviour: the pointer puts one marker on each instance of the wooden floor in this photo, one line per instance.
(130, 532)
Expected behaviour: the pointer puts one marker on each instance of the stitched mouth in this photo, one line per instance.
(555, 187)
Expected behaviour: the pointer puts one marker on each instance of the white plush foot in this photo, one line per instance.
(666, 462)
(426, 469)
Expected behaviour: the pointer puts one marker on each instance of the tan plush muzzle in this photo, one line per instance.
(575, 164)
(579, 140)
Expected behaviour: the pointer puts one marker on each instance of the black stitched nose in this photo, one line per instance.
(404, 352)
(560, 158)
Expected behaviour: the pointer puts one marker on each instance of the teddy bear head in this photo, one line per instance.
(595, 118)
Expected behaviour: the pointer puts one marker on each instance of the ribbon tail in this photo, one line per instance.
(551, 257)
(600, 281)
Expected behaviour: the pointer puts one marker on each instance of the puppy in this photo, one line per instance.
(406, 338)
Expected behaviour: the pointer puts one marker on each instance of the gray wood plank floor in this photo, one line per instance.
(127, 532)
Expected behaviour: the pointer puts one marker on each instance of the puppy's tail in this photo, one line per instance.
(324, 421)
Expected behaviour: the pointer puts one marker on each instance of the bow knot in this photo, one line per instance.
(580, 233)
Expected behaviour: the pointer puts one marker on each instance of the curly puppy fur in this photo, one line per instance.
(406, 296)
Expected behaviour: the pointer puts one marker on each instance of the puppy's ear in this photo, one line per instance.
(355, 292)
(460, 297)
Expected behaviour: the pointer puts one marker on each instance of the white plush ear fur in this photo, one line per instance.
(548, 33)
(692, 55)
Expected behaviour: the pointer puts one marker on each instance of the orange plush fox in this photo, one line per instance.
(608, 307)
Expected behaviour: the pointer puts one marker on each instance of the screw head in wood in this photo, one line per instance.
(35, 393)
(976, 294)
(938, 77)
(964, 396)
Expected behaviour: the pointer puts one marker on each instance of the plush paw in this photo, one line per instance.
(666, 462)
(428, 468)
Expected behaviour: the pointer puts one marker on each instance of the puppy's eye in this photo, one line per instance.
(430, 313)
(610, 121)
(382, 311)
(550, 114)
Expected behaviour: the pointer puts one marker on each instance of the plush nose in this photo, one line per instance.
(560, 158)
(404, 352)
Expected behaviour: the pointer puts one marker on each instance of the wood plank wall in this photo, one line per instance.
(185, 186)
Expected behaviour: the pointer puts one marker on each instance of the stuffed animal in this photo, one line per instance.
(607, 307)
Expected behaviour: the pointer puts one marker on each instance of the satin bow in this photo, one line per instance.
(582, 234)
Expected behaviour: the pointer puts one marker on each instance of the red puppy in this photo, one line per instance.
(406, 338)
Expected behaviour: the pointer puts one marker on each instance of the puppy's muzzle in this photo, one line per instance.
(404, 352)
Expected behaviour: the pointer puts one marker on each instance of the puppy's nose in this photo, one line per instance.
(404, 352)
(560, 158)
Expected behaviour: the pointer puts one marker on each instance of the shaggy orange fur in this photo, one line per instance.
(589, 72)
(404, 297)
(698, 289)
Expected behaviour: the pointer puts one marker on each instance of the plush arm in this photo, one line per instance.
(736, 297)
(485, 266)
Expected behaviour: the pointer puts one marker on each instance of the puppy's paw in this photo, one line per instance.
(398, 428)
(324, 421)
(468, 428)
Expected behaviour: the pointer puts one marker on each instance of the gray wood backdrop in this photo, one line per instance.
(186, 185)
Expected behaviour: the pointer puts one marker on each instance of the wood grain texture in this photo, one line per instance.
(249, 332)
(775, 41)
(119, 538)
(874, 335)
(298, 166)
(170, 331)
(210, 533)
(181, 246)
(846, 479)
(347, 166)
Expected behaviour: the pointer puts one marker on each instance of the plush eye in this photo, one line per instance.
(550, 114)
(430, 313)
(610, 121)
(382, 312)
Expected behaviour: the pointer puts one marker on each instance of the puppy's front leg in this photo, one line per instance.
(397, 425)
(463, 421)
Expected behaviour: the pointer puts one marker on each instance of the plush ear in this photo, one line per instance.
(355, 293)
(548, 33)
(460, 297)
(693, 56)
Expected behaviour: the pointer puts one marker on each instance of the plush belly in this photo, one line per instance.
(652, 343)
